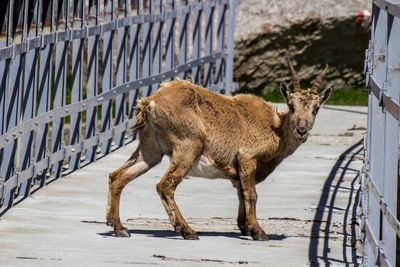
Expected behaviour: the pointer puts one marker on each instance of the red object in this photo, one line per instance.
(363, 18)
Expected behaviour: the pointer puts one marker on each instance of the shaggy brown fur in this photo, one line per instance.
(240, 138)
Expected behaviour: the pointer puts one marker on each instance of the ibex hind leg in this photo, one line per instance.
(144, 158)
(181, 162)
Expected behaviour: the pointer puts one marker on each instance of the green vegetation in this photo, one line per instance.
(352, 97)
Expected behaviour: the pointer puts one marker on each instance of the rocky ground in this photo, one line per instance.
(312, 32)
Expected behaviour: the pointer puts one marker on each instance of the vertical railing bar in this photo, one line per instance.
(60, 87)
(229, 85)
(170, 42)
(43, 94)
(157, 50)
(12, 103)
(134, 59)
(107, 82)
(183, 39)
(147, 48)
(209, 12)
(30, 72)
(92, 81)
(4, 70)
(196, 42)
(77, 76)
(121, 73)
(127, 28)
(18, 109)
(134, 67)
(220, 63)
(366, 193)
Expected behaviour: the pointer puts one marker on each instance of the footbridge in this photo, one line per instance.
(70, 75)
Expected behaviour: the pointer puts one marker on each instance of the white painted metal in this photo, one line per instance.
(381, 172)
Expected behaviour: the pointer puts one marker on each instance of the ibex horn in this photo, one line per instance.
(318, 81)
(295, 78)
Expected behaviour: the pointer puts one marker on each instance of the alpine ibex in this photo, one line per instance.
(240, 138)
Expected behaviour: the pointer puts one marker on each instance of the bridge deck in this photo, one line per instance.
(306, 207)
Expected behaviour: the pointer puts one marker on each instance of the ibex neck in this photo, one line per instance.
(289, 142)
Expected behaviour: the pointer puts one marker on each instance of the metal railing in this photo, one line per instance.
(71, 72)
(381, 169)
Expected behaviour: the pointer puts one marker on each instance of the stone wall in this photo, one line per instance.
(313, 33)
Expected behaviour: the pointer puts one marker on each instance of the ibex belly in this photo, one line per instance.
(205, 168)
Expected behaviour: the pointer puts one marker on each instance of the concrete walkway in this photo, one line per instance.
(306, 207)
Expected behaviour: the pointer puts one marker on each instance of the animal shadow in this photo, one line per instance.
(173, 235)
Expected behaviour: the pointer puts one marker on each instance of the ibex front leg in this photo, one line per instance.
(241, 218)
(247, 169)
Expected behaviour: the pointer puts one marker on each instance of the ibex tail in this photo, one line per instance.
(141, 114)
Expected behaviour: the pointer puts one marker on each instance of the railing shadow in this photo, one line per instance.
(327, 205)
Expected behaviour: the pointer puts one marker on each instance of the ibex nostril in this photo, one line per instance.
(301, 130)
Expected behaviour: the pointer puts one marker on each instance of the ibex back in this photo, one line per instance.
(240, 138)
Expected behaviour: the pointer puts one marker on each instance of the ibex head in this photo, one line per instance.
(304, 104)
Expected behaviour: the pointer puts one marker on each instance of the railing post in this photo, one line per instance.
(43, 94)
(209, 41)
(28, 95)
(121, 65)
(147, 47)
(391, 138)
(77, 76)
(229, 85)
(158, 43)
(3, 86)
(107, 82)
(376, 156)
(93, 78)
(134, 56)
(60, 88)
(196, 53)
(220, 64)
(11, 83)
(183, 39)
(170, 42)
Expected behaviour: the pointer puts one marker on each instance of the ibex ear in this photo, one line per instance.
(285, 91)
(325, 94)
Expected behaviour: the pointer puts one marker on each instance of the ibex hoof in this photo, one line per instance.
(260, 237)
(109, 222)
(178, 228)
(190, 237)
(244, 231)
(122, 233)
